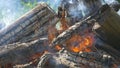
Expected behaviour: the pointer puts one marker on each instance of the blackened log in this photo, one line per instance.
(65, 59)
(113, 52)
(21, 53)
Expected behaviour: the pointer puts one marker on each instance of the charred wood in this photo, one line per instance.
(61, 38)
(65, 59)
(115, 53)
(21, 53)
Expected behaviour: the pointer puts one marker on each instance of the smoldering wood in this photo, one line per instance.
(65, 59)
(21, 53)
(61, 38)
(103, 19)
(74, 29)
(14, 53)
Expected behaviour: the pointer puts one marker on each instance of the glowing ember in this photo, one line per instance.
(78, 43)
(36, 56)
(58, 47)
(75, 49)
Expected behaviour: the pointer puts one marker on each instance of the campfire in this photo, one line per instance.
(59, 42)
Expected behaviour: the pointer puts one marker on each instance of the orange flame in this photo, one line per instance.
(78, 43)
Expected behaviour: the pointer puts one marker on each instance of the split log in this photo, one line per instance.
(109, 31)
(22, 53)
(41, 32)
(28, 24)
(95, 4)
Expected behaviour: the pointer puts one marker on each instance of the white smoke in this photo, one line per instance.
(118, 12)
(76, 8)
(109, 1)
(52, 3)
(10, 10)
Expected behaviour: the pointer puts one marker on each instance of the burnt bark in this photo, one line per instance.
(77, 60)
(21, 53)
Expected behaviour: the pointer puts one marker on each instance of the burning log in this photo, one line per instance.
(70, 31)
(102, 17)
(32, 50)
(22, 53)
(67, 34)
